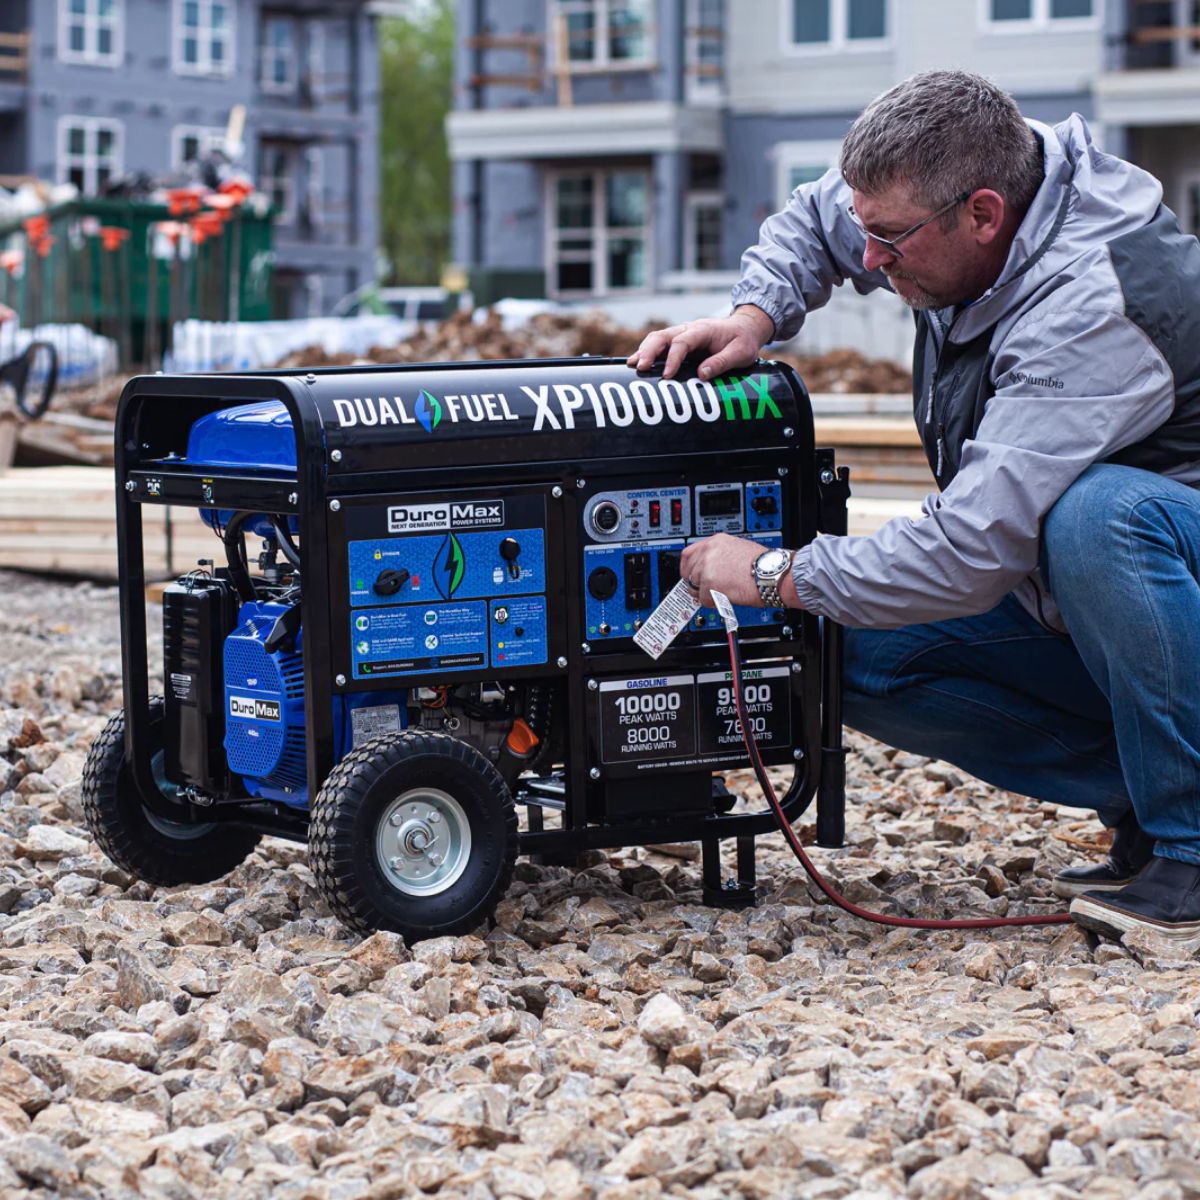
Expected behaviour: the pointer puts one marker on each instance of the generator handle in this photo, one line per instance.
(833, 492)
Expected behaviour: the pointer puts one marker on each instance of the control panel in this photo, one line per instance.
(447, 584)
(633, 540)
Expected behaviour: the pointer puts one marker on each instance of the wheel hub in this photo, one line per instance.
(423, 841)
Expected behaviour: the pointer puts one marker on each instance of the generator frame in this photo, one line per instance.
(153, 420)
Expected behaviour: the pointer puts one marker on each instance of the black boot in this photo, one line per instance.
(1131, 851)
(1165, 897)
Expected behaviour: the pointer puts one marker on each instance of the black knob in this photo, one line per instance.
(602, 583)
(509, 549)
(389, 582)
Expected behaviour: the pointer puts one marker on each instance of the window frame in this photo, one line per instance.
(91, 161)
(810, 153)
(203, 68)
(600, 233)
(1040, 20)
(90, 54)
(601, 59)
(1188, 179)
(208, 136)
(701, 88)
(839, 40)
(288, 214)
(267, 54)
(692, 201)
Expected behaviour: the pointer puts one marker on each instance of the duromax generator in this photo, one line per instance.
(422, 614)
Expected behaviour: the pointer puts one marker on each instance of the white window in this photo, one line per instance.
(314, 188)
(704, 219)
(315, 59)
(1187, 49)
(599, 232)
(277, 178)
(90, 152)
(705, 48)
(91, 31)
(602, 33)
(820, 25)
(203, 37)
(801, 162)
(190, 143)
(1022, 16)
(278, 64)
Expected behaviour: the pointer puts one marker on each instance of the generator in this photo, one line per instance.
(419, 620)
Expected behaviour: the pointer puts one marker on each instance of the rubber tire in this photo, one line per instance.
(345, 817)
(118, 821)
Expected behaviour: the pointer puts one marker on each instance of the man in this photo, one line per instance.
(1040, 625)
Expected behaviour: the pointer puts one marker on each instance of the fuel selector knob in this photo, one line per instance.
(602, 583)
(606, 516)
(389, 582)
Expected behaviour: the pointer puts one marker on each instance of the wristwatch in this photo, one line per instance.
(769, 569)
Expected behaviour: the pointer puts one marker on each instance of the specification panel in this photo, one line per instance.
(657, 721)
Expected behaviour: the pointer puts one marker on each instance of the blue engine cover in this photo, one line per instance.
(250, 437)
(265, 740)
(264, 708)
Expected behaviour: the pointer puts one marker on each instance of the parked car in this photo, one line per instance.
(407, 303)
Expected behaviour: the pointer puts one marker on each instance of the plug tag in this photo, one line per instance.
(668, 620)
(725, 609)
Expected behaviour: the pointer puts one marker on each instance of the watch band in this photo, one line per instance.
(768, 585)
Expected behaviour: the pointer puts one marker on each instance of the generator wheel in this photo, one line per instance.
(415, 833)
(142, 842)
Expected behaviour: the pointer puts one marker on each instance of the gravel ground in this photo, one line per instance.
(609, 1038)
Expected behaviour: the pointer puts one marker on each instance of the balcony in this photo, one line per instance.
(1152, 67)
(554, 67)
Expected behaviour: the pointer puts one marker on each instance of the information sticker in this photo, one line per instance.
(668, 620)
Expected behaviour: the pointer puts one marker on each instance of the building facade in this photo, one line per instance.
(91, 90)
(604, 147)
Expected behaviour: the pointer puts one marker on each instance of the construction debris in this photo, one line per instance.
(465, 337)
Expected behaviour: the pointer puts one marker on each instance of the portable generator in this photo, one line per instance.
(421, 617)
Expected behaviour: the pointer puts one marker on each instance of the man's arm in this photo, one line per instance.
(982, 534)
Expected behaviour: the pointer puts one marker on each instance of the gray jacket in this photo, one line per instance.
(1086, 349)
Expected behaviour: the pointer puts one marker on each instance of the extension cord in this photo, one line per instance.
(793, 841)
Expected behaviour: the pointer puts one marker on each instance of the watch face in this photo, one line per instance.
(770, 562)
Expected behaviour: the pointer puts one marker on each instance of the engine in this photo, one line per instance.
(264, 704)
(236, 681)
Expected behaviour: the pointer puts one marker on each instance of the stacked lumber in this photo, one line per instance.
(884, 454)
(62, 520)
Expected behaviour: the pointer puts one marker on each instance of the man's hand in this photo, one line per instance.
(735, 342)
(6, 313)
(725, 563)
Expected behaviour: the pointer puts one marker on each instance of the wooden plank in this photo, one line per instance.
(873, 431)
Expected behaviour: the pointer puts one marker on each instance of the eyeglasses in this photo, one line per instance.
(892, 245)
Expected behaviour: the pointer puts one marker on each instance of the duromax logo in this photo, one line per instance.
(428, 411)
(449, 567)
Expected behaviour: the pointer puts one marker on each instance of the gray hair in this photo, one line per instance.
(942, 133)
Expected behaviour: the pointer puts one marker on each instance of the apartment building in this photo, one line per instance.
(604, 147)
(91, 90)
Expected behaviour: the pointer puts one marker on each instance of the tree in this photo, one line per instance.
(416, 78)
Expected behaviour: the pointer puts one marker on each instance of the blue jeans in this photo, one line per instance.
(1102, 719)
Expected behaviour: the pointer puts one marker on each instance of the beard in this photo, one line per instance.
(917, 297)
